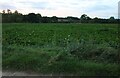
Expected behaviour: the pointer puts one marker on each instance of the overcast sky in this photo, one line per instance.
(64, 8)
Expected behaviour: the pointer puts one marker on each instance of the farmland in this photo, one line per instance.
(61, 48)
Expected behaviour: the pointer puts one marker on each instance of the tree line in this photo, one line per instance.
(16, 17)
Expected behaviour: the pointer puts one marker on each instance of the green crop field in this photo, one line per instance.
(61, 48)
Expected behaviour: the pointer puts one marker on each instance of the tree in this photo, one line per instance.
(39, 17)
(32, 17)
(54, 19)
(96, 20)
(84, 18)
(17, 17)
(111, 18)
(9, 11)
(46, 19)
(16, 12)
(3, 11)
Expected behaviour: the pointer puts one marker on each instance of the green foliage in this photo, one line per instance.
(78, 49)
(17, 17)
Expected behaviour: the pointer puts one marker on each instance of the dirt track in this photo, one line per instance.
(18, 73)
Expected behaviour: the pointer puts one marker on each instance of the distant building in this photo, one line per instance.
(69, 20)
(63, 20)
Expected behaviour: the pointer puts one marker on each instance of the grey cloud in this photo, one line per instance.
(36, 5)
(74, 3)
(99, 7)
(39, 5)
(7, 6)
